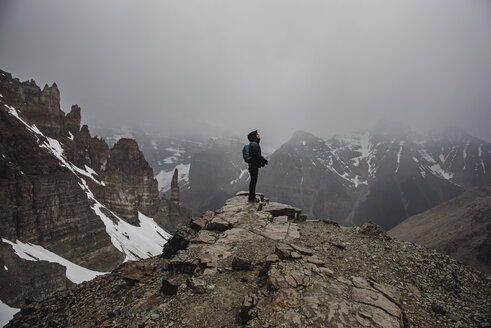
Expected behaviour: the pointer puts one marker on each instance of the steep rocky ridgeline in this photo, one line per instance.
(71, 206)
(460, 227)
(262, 265)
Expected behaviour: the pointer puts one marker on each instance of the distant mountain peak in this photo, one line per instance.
(300, 134)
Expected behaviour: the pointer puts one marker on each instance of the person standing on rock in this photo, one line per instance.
(256, 161)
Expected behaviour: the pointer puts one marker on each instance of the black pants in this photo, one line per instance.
(253, 171)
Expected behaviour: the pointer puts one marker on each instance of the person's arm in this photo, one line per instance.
(263, 161)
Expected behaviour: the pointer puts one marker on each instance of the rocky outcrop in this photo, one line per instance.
(174, 188)
(130, 185)
(73, 119)
(41, 106)
(459, 228)
(27, 280)
(262, 269)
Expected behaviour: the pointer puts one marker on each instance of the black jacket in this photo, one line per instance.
(257, 160)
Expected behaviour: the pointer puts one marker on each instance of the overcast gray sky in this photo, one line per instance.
(277, 66)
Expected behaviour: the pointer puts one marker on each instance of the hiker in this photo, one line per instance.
(255, 161)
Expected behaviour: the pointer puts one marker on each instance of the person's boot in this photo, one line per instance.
(255, 200)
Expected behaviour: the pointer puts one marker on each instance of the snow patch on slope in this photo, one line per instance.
(242, 173)
(54, 147)
(479, 150)
(136, 242)
(31, 252)
(435, 166)
(356, 180)
(464, 153)
(6, 313)
(401, 144)
(164, 178)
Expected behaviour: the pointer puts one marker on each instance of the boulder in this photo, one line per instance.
(170, 286)
(283, 250)
(179, 240)
(371, 229)
(135, 271)
(302, 250)
(277, 209)
(197, 285)
(218, 224)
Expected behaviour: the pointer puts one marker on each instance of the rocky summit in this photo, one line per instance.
(264, 265)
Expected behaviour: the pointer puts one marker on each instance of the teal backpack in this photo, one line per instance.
(245, 153)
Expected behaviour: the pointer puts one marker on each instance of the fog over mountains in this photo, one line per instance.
(277, 66)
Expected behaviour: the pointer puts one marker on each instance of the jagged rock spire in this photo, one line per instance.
(174, 188)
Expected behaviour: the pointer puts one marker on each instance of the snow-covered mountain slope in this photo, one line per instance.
(30, 252)
(135, 241)
(375, 175)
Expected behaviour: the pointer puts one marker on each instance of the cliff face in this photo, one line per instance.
(261, 265)
(68, 193)
(130, 186)
(42, 202)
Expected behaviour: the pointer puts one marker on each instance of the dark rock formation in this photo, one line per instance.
(130, 185)
(174, 188)
(235, 279)
(23, 280)
(173, 212)
(41, 106)
(179, 240)
(372, 229)
(73, 119)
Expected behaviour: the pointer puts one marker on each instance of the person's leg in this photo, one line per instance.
(253, 171)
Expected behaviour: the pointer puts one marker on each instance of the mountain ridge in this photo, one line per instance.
(346, 177)
(367, 167)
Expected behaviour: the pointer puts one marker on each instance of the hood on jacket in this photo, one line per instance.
(252, 136)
